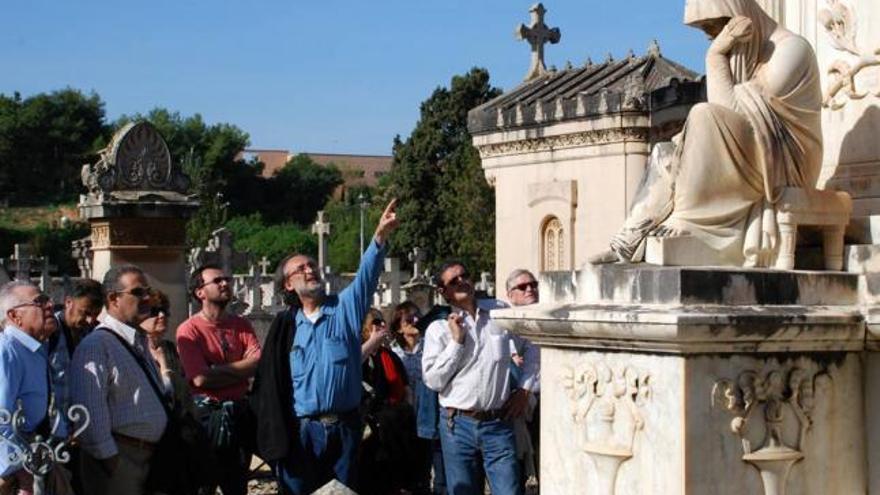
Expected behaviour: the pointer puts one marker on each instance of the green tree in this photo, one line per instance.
(445, 204)
(44, 141)
(272, 241)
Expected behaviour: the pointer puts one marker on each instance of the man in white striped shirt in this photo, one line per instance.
(466, 359)
(127, 416)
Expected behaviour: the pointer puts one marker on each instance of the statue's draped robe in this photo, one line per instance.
(724, 173)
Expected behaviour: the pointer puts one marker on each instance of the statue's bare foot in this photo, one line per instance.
(603, 258)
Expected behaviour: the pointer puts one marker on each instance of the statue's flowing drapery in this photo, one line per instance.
(723, 174)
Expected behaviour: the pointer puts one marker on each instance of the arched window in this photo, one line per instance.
(552, 245)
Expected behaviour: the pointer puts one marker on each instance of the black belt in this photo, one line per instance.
(331, 418)
(477, 415)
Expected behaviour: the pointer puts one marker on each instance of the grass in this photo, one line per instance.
(28, 218)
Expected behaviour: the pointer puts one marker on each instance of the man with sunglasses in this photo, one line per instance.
(308, 385)
(24, 368)
(219, 352)
(466, 359)
(115, 378)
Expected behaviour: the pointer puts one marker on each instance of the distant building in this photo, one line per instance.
(357, 170)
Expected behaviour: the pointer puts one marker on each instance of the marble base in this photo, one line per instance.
(695, 380)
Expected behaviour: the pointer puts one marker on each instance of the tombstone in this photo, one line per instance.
(137, 206)
(81, 251)
(485, 285)
(22, 262)
(417, 256)
(334, 487)
(392, 280)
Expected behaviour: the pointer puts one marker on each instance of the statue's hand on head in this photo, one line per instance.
(737, 29)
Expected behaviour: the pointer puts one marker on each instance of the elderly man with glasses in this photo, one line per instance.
(308, 384)
(219, 352)
(116, 379)
(467, 361)
(24, 368)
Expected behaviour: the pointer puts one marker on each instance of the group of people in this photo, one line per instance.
(332, 392)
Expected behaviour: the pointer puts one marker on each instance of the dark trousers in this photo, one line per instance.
(320, 452)
(230, 427)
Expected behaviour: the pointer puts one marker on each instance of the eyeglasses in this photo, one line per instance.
(458, 280)
(378, 322)
(218, 280)
(312, 267)
(528, 285)
(38, 301)
(411, 319)
(138, 292)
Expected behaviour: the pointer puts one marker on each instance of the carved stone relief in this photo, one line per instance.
(137, 159)
(606, 400)
(139, 233)
(587, 138)
(776, 394)
(839, 22)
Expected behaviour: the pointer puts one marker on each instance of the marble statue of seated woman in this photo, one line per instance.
(759, 132)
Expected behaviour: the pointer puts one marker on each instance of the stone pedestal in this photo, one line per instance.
(137, 209)
(694, 381)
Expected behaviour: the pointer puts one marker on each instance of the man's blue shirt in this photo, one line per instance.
(23, 368)
(325, 361)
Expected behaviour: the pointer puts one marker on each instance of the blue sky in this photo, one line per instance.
(333, 76)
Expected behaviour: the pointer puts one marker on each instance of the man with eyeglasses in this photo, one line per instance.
(219, 352)
(522, 290)
(466, 359)
(24, 368)
(308, 384)
(115, 378)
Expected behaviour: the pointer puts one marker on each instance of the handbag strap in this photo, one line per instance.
(143, 364)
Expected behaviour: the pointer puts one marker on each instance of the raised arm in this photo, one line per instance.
(719, 78)
(441, 356)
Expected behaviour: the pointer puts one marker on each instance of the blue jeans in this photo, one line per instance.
(471, 443)
(322, 452)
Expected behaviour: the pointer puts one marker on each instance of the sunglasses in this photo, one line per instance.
(158, 311)
(301, 269)
(461, 279)
(411, 319)
(528, 285)
(137, 292)
(38, 301)
(218, 280)
(378, 322)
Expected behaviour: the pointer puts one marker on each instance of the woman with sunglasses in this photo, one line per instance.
(387, 452)
(164, 351)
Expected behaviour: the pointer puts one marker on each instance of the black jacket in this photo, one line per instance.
(271, 396)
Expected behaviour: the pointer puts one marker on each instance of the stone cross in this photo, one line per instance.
(255, 286)
(417, 257)
(537, 35)
(393, 277)
(264, 266)
(22, 258)
(485, 284)
(322, 230)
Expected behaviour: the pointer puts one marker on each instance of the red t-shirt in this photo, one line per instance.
(202, 343)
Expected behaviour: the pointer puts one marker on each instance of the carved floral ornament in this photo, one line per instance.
(839, 21)
(586, 138)
(607, 400)
(775, 394)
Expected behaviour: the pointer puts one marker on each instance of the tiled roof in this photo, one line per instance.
(577, 92)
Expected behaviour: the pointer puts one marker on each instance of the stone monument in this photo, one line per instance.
(565, 151)
(728, 380)
(137, 206)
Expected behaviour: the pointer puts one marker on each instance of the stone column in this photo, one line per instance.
(137, 208)
(693, 381)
